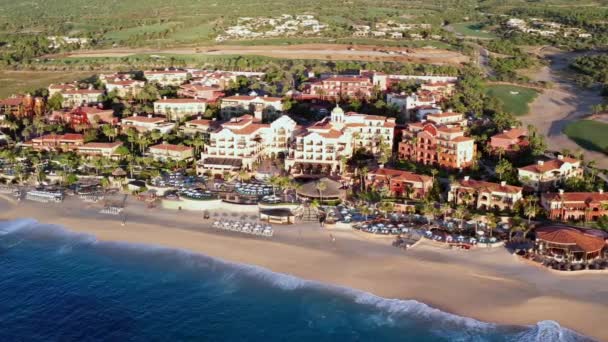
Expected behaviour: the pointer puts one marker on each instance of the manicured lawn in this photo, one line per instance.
(515, 100)
(590, 134)
(472, 29)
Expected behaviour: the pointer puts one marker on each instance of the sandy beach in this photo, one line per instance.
(488, 285)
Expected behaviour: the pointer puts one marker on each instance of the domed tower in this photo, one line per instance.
(337, 115)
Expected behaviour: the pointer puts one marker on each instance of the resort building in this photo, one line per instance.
(447, 118)
(124, 87)
(80, 97)
(101, 149)
(197, 91)
(84, 116)
(431, 144)
(199, 126)
(320, 148)
(262, 107)
(336, 87)
(511, 140)
(548, 174)
(484, 195)
(220, 78)
(243, 141)
(569, 244)
(61, 87)
(441, 90)
(178, 109)
(147, 124)
(22, 105)
(167, 77)
(164, 152)
(408, 104)
(400, 183)
(117, 76)
(56, 142)
(575, 206)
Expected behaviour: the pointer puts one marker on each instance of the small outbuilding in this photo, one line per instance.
(278, 215)
(323, 189)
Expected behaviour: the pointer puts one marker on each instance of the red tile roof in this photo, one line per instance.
(553, 164)
(400, 175)
(586, 197)
(570, 236)
(249, 129)
(496, 187)
(513, 133)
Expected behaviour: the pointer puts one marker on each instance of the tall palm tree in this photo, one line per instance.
(460, 213)
(530, 208)
(491, 223)
(320, 186)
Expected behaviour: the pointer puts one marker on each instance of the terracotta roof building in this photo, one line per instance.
(575, 206)
(548, 174)
(430, 144)
(510, 140)
(171, 152)
(484, 195)
(569, 244)
(400, 183)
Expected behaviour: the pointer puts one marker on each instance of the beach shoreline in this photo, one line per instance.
(489, 285)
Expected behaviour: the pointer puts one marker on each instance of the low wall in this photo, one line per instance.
(208, 205)
(278, 206)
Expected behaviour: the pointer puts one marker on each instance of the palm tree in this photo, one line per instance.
(445, 208)
(320, 186)
(428, 210)
(521, 227)
(491, 223)
(530, 209)
(365, 210)
(460, 213)
(109, 132)
(386, 207)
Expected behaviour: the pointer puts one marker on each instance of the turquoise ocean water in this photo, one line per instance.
(60, 286)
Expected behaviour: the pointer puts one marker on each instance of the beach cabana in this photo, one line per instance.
(278, 215)
(569, 244)
(333, 190)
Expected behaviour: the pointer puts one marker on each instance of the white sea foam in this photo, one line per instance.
(443, 323)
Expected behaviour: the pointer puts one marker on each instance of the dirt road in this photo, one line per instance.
(301, 51)
(554, 108)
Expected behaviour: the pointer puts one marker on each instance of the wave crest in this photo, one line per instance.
(443, 323)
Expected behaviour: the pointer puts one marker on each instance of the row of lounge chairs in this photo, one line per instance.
(111, 210)
(245, 227)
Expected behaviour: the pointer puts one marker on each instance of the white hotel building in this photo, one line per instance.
(242, 141)
(261, 106)
(322, 145)
(167, 77)
(177, 109)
